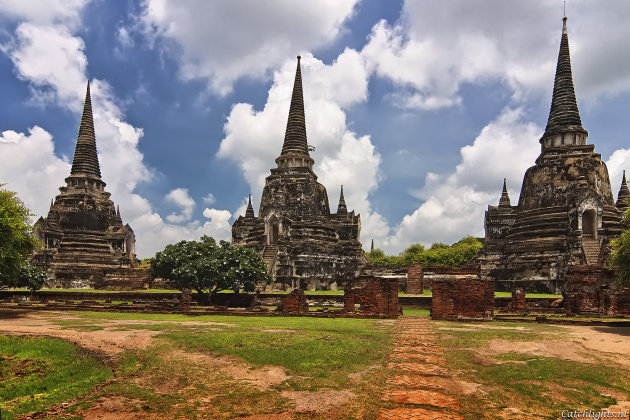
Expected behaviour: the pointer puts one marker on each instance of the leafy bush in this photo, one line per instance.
(439, 254)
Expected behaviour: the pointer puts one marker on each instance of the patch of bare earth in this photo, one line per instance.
(116, 407)
(107, 342)
(261, 377)
(320, 401)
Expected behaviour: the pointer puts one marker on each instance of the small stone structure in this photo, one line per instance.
(294, 303)
(85, 244)
(302, 243)
(469, 298)
(373, 295)
(566, 214)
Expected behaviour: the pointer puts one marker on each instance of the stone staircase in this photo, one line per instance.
(591, 249)
(269, 256)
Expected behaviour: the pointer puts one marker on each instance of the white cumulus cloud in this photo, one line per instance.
(454, 203)
(222, 41)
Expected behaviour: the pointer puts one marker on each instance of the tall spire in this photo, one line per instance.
(564, 116)
(342, 209)
(372, 246)
(249, 213)
(505, 198)
(85, 161)
(624, 194)
(295, 135)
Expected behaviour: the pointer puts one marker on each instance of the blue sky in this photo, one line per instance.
(418, 108)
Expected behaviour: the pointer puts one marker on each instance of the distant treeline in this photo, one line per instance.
(459, 253)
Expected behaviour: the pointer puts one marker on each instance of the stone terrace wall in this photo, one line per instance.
(462, 298)
(374, 295)
(124, 278)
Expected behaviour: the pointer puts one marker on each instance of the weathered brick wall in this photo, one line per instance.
(462, 298)
(415, 279)
(185, 301)
(295, 302)
(430, 273)
(620, 302)
(518, 303)
(375, 296)
(583, 293)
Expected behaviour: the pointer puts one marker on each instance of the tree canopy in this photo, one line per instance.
(620, 256)
(16, 244)
(461, 252)
(208, 267)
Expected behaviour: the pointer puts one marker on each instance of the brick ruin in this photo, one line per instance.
(294, 303)
(85, 244)
(469, 298)
(302, 243)
(566, 214)
(420, 277)
(518, 302)
(373, 296)
(588, 290)
(415, 279)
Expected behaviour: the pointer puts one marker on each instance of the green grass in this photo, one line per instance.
(529, 295)
(324, 349)
(539, 386)
(36, 373)
(416, 312)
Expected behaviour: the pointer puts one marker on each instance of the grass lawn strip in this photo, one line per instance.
(36, 373)
(520, 384)
(336, 360)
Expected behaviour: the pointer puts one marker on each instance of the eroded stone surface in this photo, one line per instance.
(85, 244)
(566, 213)
(302, 243)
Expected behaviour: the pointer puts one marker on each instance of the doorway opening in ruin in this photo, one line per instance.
(589, 223)
(274, 230)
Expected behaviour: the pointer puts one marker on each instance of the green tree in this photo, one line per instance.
(16, 244)
(620, 256)
(208, 267)
(439, 254)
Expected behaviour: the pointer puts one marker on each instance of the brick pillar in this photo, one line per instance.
(185, 301)
(415, 279)
(519, 303)
(392, 309)
(348, 298)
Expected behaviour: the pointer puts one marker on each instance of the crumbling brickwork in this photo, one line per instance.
(374, 295)
(462, 298)
(415, 279)
(295, 302)
(518, 303)
(586, 289)
(185, 301)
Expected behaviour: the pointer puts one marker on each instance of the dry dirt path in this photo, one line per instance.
(422, 377)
